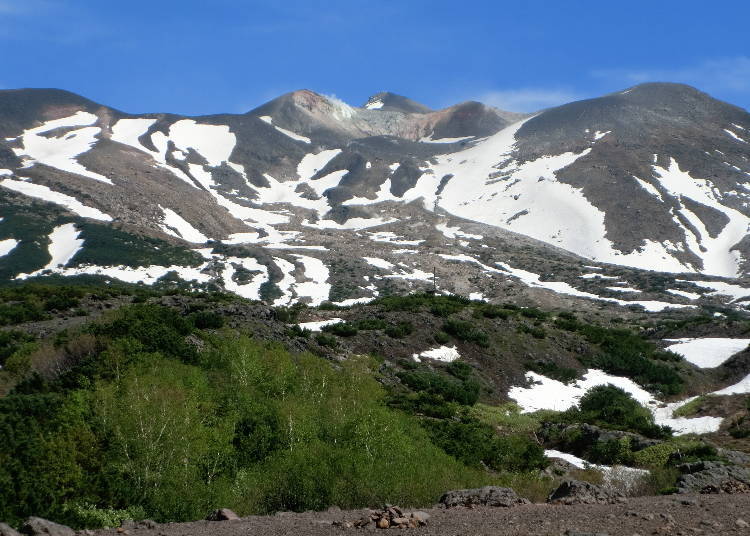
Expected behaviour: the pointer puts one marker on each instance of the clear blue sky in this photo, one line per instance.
(209, 56)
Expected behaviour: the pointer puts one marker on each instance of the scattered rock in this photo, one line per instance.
(389, 517)
(712, 477)
(486, 496)
(579, 492)
(7, 530)
(36, 526)
(741, 523)
(570, 532)
(222, 514)
(142, 524)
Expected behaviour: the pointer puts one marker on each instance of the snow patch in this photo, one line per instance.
(446, 354)
(39, 191)
(707, 352)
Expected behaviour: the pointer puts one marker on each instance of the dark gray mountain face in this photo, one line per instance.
(307, 198)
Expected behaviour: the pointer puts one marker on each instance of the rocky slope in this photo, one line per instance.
(309, 199)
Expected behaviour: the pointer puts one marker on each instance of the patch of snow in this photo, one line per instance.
(250, 290)
(720, 288)
(215, 143)
(319, 288)
(707, 352)
(430, 139)
(320, 324)
(297, 137)
(447, 354)
(60, 152)
(735, 136)
(546, 393)
(374, 105)
(311, 163)
(476, 296)
(354, 224)
(63, 246)
(378, 263)
(287, 280)
(599, 135)
(684, 293)
(740, 388)
(176, 225)
(7, 245)
(598, 276)
(39, 191)
(393, 238)
(4, 172)
(624, 289)
(650, 188)
(453, 232)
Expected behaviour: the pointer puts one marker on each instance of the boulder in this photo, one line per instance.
(36, 526)
(7, 530)
(579, 492)
(486, 496)
(712, 477)
(222, 514)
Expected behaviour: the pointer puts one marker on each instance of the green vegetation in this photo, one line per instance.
(608, 406)
(438, 305)
(465, 331)
(552, 370)
(144, 424)
(691, 408)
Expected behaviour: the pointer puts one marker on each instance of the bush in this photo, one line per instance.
(494, 311)
(655, 455)
(326, 340)
(85, 515)
(465, 331)
(449, 389)
(552, 370)
(441, 337)
(371, 324)
(207, 320)
(537, 332)
(342, 329)
(611, 407)
(297, 331)
(399, 330)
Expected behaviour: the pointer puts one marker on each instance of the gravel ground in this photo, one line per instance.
(674, 515)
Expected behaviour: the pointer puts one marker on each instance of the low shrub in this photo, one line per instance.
(552, 370)
(399, 330)
(324, 339)
(465, 331)
(342, 329)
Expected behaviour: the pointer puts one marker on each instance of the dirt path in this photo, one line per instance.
(673, 515)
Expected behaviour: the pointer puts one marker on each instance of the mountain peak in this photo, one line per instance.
(385, 100)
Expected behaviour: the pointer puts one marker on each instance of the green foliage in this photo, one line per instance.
(342, 329)
(612, 452)
(654, 456)
(297, 331)
(624, 353)
(533, 312)
(324, 339)
(439, 305)
(537, 332)
(611, 407)
(447, 388)
(441, 337)
(691, 408)
(693, 452)
(399, 330)
(465, 331)
(109, 246)
(552, 370)
(460, 370)
(494, 311)
(507, 418)
(84, 514)
(11, 341)
(475, 443)
(207, 320)
(370, 324)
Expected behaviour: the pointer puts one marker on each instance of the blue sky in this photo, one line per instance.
(209, 56)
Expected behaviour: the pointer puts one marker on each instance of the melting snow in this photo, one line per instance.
(378, 263)
(393, 238)
(707, 352)
(6, 246)
(453, 232)
(374, 105)
(175, 225)
(317, 326)
(546, 393)
(63, 246)
(735, 292)
(735, 136)
(268, 119)
(684, 294)
(318, 289)
(61, 151)
(42, 192)
(442, 353)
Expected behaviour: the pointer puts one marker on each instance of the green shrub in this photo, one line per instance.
(533, 312)
(450, 389)
(611, 407)
(371, 324)
(537, 332)
(494, 311)
(655, 455)
(342, 329)
(441, 337)
(324, 339)
(297, 331)
(85, 515)
(207, 320)
(465, 331)
(399, 330)
(612, 452)
(552, 370)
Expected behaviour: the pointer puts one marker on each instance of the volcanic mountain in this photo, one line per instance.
(637, 198)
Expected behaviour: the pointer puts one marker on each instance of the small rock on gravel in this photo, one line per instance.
(741, 523)
(222, 514)
(486, 496)
(7, 530)
(36, 526)
(579, 492)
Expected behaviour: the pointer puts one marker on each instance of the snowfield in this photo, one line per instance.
(44, 193)
(446, 354)
(707, 352)
(546, 393)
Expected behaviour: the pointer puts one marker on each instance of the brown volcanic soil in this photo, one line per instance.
(677, 515)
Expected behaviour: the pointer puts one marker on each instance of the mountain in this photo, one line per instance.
(638, 198)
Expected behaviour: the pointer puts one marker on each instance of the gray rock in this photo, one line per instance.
(222, 514)
(486, 496)
(579, 492)
(712, 477)
(35, 526)
(7, 530)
